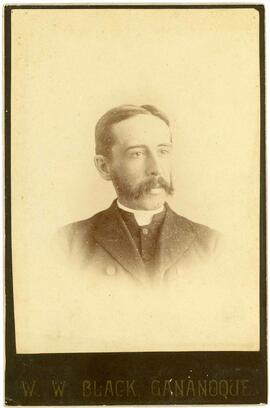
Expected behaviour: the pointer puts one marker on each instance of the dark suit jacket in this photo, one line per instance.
(103, 244)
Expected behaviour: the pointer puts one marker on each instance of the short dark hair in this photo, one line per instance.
(103, 135)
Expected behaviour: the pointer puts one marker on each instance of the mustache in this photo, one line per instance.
(152, 182)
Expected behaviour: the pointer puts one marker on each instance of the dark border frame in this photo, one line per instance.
(143, 367)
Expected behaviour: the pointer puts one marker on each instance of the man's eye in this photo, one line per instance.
(163, 152)
(136, 154)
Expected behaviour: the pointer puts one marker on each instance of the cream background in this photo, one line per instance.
(202, 68)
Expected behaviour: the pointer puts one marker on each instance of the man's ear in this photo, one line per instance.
(102, 165)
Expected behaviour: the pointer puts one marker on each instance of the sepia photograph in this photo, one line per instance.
(136, 179)
(139, 231)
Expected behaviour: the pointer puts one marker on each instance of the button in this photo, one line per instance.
(110, 270)
(146, 256)
(145, 231)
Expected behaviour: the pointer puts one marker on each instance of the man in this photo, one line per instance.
(139, 238)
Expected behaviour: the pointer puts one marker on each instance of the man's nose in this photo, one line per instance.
(153, 167)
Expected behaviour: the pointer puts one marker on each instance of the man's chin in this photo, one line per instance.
(151, 200)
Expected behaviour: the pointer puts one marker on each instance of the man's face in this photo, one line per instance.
(140, 163)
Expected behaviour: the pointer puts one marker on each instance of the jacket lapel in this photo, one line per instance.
(175, 238)
(113, 235)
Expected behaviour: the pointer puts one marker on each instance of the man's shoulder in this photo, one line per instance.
(81, 233)
(199, 229)
(204, 236)
(87, 225)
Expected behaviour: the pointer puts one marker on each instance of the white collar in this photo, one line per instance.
(143, 217)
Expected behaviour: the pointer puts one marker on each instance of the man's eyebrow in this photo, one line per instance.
(135, 147)
(144, 146)
(165, 145)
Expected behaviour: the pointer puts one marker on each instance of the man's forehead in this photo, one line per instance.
(142, 127)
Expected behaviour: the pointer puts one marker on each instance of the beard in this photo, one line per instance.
(135, 192)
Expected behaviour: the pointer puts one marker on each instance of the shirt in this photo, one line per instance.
(145, 237)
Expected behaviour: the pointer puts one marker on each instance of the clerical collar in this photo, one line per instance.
(143, 217)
